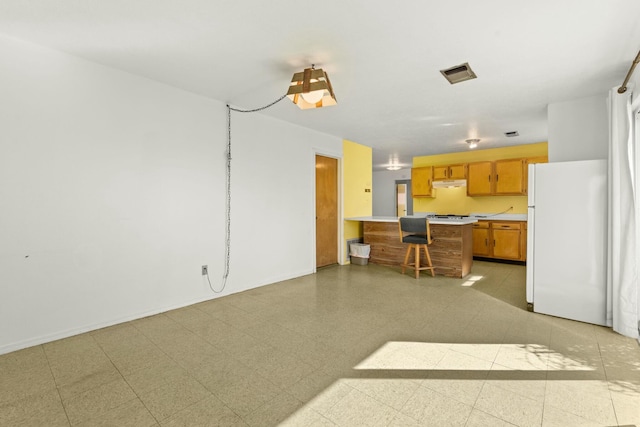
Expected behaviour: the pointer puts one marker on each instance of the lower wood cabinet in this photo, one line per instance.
(500, 240)
(481, 236)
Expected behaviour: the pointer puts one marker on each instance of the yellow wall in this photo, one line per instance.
(456, 201)
(357, 176)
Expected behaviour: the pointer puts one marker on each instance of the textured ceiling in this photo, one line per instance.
(383, 59)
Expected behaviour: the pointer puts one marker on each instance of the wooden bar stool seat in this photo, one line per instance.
(416, 233)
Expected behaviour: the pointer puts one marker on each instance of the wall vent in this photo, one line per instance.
(458, 73)
(510, 134)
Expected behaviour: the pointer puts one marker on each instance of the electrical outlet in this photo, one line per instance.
(205, 270)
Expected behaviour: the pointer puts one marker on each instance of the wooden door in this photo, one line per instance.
(401, 200)
(481, 242)
(479, 179)
(509, 176)
(421, 185)
(440, 172)
(506, 243)
(457, 171)
(326, 211)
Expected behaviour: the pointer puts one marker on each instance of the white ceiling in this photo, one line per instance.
(383, 58)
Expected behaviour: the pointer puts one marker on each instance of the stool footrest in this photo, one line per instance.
(416, 264)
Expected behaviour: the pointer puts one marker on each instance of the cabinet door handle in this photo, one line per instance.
(497, 177)
(486, 242)
(494, 242)
(489, 178)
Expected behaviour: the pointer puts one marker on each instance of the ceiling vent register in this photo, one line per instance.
(459, 73)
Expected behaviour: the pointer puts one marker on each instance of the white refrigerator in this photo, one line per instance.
(567, 240)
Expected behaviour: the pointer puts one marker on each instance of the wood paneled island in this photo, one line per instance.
(451, 250)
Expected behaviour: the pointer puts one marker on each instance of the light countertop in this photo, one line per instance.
(441, 221)
(474, 217)
(499, 217)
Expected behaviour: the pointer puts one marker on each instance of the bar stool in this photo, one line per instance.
(416, 232)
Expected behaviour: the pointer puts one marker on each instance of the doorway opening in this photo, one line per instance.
(404, 201)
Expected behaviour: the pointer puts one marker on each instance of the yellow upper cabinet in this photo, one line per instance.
(449, 172)
(509, 177)
(480, 179)
(499, 178)
(422, 182)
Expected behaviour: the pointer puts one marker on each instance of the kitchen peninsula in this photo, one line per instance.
(451, 251)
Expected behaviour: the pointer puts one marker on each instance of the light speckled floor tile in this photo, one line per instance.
(89, 381)
(525, 357)
(454, 361)
(482, 351)
(306, 417)
(97, 401)
(508, 406)
(556, 417)
(130, 414)
(462, 390)
(434, 409)
(328, 398)
(482, 419)
(346, 346)
(587, 399)
(35, 410)
(393, 392)
(207, 412)
(531, 384)
(19, 382)
(273, 412)
(240, 388)
(174, 396)
(358, 409)
(625, 396)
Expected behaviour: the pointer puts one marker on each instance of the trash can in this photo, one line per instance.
(359, 253)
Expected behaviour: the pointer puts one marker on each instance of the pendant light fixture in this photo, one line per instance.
(311, 88)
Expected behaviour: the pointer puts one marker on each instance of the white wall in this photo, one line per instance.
(384, 191)
(578, 129)
(112, 192)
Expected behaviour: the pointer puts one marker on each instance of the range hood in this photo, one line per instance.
(449, 183)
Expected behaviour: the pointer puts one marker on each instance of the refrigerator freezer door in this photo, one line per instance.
(530, 253)
(570, 240)
(531, 185)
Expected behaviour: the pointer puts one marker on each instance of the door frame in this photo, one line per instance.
(340, 249)
(409, 198)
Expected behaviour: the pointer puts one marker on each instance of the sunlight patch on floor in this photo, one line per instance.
(472, 280)
(396, 355)
(456, 383)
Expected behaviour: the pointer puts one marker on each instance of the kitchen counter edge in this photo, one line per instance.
(440, 221)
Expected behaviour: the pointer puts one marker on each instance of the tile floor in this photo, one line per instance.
(348, 346)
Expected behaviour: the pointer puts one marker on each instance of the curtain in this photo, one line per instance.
(622, 253)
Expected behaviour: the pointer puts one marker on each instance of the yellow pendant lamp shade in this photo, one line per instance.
(311, 88)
